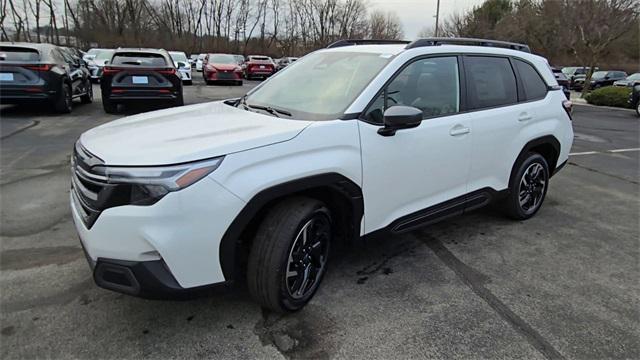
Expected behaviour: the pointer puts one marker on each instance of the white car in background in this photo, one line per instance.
(181, 62)
(96, 59)
(199, 61)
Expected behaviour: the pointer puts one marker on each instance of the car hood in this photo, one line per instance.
(186, 133)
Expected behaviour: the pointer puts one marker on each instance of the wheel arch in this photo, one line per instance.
(342, 196)
(548, 146)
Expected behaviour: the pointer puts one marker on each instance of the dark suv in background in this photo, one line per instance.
(600, 79)
(37, 73)
(140, 76)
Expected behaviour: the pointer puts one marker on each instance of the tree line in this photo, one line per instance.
(603, 33)
(272, 27)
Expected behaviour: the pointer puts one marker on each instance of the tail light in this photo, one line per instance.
(110, 71)
(568, 107)
(39, 67)
(171, 71)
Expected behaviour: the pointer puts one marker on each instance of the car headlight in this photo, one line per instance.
(171, 177)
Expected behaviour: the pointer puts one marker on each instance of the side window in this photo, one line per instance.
(431, 85)
(490, 82)
(534, 87)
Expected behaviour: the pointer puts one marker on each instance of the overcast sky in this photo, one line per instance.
(416, 14)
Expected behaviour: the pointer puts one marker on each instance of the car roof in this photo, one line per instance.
(35, 46)
(142, 51)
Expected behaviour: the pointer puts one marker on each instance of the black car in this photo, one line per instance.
(43, 73)
(140, 76)
(634, 99)
(600, 79)
(563, 81)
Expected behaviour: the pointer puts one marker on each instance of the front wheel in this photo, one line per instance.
(288, 257)
(87, 98)
(528, 187)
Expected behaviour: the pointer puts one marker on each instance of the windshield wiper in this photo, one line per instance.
(268, 109)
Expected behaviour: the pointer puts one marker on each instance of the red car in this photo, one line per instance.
(221, 67)
(259, 66)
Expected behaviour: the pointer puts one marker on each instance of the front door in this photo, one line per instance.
(423, 166)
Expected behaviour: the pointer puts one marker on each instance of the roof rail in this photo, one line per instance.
(349, 42)
(467, 41)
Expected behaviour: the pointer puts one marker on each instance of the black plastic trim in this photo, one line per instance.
(436, 213)
(231, 241)
(146, 279)
(350, 42)
(558, 168)
(548, 139)
(436, 41)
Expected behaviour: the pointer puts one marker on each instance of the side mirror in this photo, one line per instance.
(181, 65)
(400, 117)
(106, 62)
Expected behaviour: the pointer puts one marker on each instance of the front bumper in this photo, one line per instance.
(182, 232)
(224, 76)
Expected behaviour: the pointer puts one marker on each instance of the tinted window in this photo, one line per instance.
(8, 53)
(534, 86)
(490, 82)
(139, 59)
(431, 85)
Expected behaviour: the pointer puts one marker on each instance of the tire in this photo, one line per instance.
(278, 241)
(188, 82)
(179, 101)
(239, 83)
(208, 82)
(108, 106)
(64, 102)
(529, 184)
(638, 108)
(88, 97)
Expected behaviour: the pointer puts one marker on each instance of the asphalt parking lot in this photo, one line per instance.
(564, 284)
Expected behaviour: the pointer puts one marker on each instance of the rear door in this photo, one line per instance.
(492, 94)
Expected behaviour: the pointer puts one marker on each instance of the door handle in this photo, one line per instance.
(524, 117)
(459, 130)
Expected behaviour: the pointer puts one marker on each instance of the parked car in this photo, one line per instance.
(97, 63)
(631, 80)
(634, 98)
(562, 80)
(284, 62)
(192, 60)
(258, 66)
(181, 63)
(42, 73)
(341, 145)
(575, 72)
(221, 67)
(199, 62)
(600, 79)
(140, 76)
(239, 59)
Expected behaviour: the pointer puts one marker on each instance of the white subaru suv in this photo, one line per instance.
(358, 139)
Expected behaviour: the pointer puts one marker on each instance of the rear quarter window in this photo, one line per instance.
(490, 82)
(9, 53)
(139, 59)
(534, 87)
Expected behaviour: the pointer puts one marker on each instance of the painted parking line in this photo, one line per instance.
(603, 152)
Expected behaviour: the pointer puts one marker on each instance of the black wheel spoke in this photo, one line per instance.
(532, 185)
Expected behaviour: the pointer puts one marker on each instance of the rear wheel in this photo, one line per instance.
(239, 82)
(180, 100)
(288, 257)
(528, 187)
(109, 106)
(64, 102)
(188, 82)
(638, 109)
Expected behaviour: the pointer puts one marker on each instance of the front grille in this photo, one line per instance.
(89, 189)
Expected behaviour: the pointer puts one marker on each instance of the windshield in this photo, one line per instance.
(321, 85)
(178, 56)
(599, 74)
(104, 55)
(222, 59)
(635, 76)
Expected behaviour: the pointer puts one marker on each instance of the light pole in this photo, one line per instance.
(437, 18)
